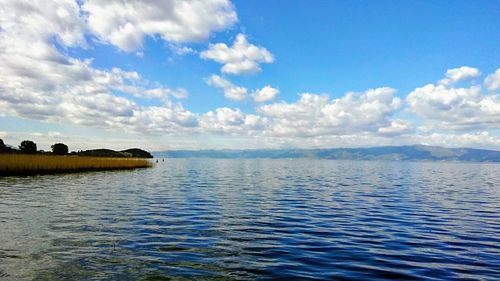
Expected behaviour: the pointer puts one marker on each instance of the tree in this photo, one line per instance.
(3, 147)
(27, 147)
(59, 149)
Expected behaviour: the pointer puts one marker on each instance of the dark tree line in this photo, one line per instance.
(30, 147)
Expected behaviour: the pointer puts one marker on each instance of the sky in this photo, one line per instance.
(218, 74)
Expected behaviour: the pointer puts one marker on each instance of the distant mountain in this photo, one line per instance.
(410, 153)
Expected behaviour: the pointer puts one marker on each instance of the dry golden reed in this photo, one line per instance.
(20, 164)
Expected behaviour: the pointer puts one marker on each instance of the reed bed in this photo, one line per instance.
(20, 164)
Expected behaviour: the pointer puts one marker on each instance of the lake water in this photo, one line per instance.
(206, 219)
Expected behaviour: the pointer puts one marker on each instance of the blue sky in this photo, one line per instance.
(167, 74)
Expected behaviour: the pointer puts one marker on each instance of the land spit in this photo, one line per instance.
(24, 165)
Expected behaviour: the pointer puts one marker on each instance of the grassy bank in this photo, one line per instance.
(20, 164)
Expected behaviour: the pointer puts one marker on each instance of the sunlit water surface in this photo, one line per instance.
(204, 219)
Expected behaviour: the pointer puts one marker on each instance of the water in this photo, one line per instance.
(205, 219)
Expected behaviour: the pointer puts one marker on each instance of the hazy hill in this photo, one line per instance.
(132, 152)
(413, 152)
(138, 153)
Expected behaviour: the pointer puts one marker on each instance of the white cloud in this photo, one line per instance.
(179, 93)
(126, 23)
(492, 81)
(396, 127)
(267, 93)
(35, 21)
(49, 134)
(458, 74)
(231, 91)
(37, 81)
(481, 139)
(232, 121)
(181, 50)
(169, 119)
(447, 108)
(160, 93)
(241, 58)
(315, 115)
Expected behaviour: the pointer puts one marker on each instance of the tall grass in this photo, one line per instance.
(20, 164)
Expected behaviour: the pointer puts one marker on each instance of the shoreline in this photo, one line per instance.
(32, 165)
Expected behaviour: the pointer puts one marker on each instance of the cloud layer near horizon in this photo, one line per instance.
(39, 80)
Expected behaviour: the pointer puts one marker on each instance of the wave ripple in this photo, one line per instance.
(206, 219)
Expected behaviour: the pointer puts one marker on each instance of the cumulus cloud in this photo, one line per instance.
(39, 21)
(231, 91)
(492, 81)
(241, 58)
(479, 139)
(458, 74)
(314, 115)
(160, 93)
(395, 128)
(448, 108)
(267, 93)
(38, 81)
(126, 23)
(315, 120)
(232, 121)
(169, 119)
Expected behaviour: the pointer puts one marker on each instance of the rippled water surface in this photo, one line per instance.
(205, 219)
